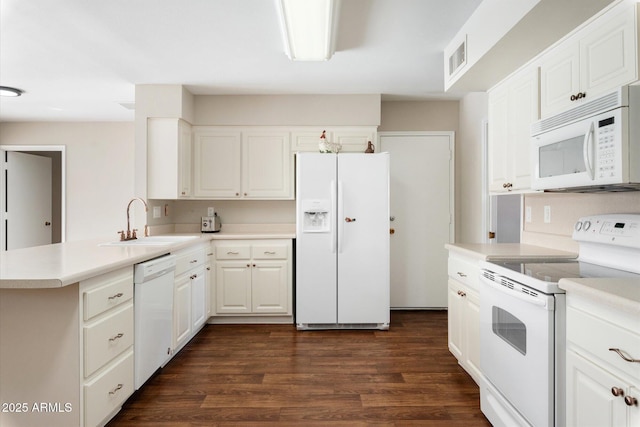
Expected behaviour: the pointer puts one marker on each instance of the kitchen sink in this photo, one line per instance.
(150, 241)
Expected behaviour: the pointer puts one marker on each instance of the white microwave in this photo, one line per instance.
(592, 147)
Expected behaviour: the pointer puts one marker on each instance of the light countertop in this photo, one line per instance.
(621, 294)
(503, 251)
(62, 264)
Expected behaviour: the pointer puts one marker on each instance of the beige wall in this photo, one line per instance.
(99, 170)
(283, 110)
(419, 116)
(566, 208)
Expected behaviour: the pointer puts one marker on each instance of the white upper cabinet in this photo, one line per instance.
(242, 164)
(597, 59)
(168, 158)
(217, 172)
(266, 165)
(352, 139)
(513, 106)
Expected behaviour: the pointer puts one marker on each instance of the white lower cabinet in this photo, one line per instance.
(190, 294)
(107, 343)
(603, 389)
(464, 313)
(253, 277)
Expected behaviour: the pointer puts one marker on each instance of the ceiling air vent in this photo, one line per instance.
(458, 58)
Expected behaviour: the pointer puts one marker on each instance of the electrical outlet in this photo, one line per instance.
(210, 211)
(527, 214)
(547, 214)
(157, 211)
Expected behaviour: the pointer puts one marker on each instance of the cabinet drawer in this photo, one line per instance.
(270, 251)
(233, 252)
(190, 258)
(117, 289)
(463, 271)
(597, 336)
(108, 391)
(107, 338)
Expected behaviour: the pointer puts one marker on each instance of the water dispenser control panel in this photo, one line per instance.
(316, 216)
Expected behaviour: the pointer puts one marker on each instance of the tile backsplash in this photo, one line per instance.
(565, 209)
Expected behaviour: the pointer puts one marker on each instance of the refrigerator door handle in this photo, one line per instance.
(333, 209)
(340, 214)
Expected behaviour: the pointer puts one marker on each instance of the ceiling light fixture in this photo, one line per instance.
(9, 91)
(309, 28)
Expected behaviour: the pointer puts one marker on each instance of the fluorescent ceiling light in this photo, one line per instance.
(9, 91)
(309, 28)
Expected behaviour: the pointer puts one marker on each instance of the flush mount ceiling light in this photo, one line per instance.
(309, 28)
(9, 91)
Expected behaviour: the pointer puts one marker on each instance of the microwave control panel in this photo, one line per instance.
(606, 156)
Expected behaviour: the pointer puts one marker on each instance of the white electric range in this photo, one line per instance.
(522, 320)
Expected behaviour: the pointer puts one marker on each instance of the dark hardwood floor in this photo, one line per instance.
(273, 375)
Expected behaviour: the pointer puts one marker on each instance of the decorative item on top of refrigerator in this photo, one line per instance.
(316, 215)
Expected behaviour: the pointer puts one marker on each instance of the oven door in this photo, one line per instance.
(517, 350)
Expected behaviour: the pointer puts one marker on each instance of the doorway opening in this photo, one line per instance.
(15, 191)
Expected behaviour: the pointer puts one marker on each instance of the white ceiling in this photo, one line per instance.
(79, 60)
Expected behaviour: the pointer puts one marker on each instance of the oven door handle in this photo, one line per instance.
(540, 302)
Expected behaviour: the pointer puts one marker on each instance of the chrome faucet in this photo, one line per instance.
(131, 235)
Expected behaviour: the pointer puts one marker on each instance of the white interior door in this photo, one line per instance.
(27, 200)
(422, 216)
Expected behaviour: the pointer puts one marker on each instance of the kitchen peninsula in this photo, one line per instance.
(57, 301)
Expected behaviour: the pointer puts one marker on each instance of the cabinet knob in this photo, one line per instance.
(617, 391)
(461, 274)
(392, 231)
(462, 293)
(631, 401)
(347, 219)
(578, 96)
(245, 194)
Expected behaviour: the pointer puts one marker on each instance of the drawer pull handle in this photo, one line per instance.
(461, 274)
(462, 294)
(624, 357)
(117, 337)
(118, 295)
(617, 391)
(115, 390)
(193, 261)
(232, 253)
(269, 253)
(631, 401)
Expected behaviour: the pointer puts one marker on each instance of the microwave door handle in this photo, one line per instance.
(588, 151)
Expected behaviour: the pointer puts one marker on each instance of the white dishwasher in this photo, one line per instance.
(153, 314)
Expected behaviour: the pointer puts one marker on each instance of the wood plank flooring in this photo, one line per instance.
(274, 375)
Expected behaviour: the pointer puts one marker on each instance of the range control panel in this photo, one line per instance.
(612, 229)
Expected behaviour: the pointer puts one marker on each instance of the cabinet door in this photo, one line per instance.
(455, 325)
(269, 287)
(308, 140)
(559, 79)
(182, 311)
(590, 401)
(523, 111)
(184, 159)
(233, 287)
(498, 139)
(354, 141)
(198, 298)
(168, 158)
(471, 334)
(217, 164)
(608, 56)
(266, 165)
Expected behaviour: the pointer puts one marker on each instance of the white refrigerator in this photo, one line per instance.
(342, 241)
